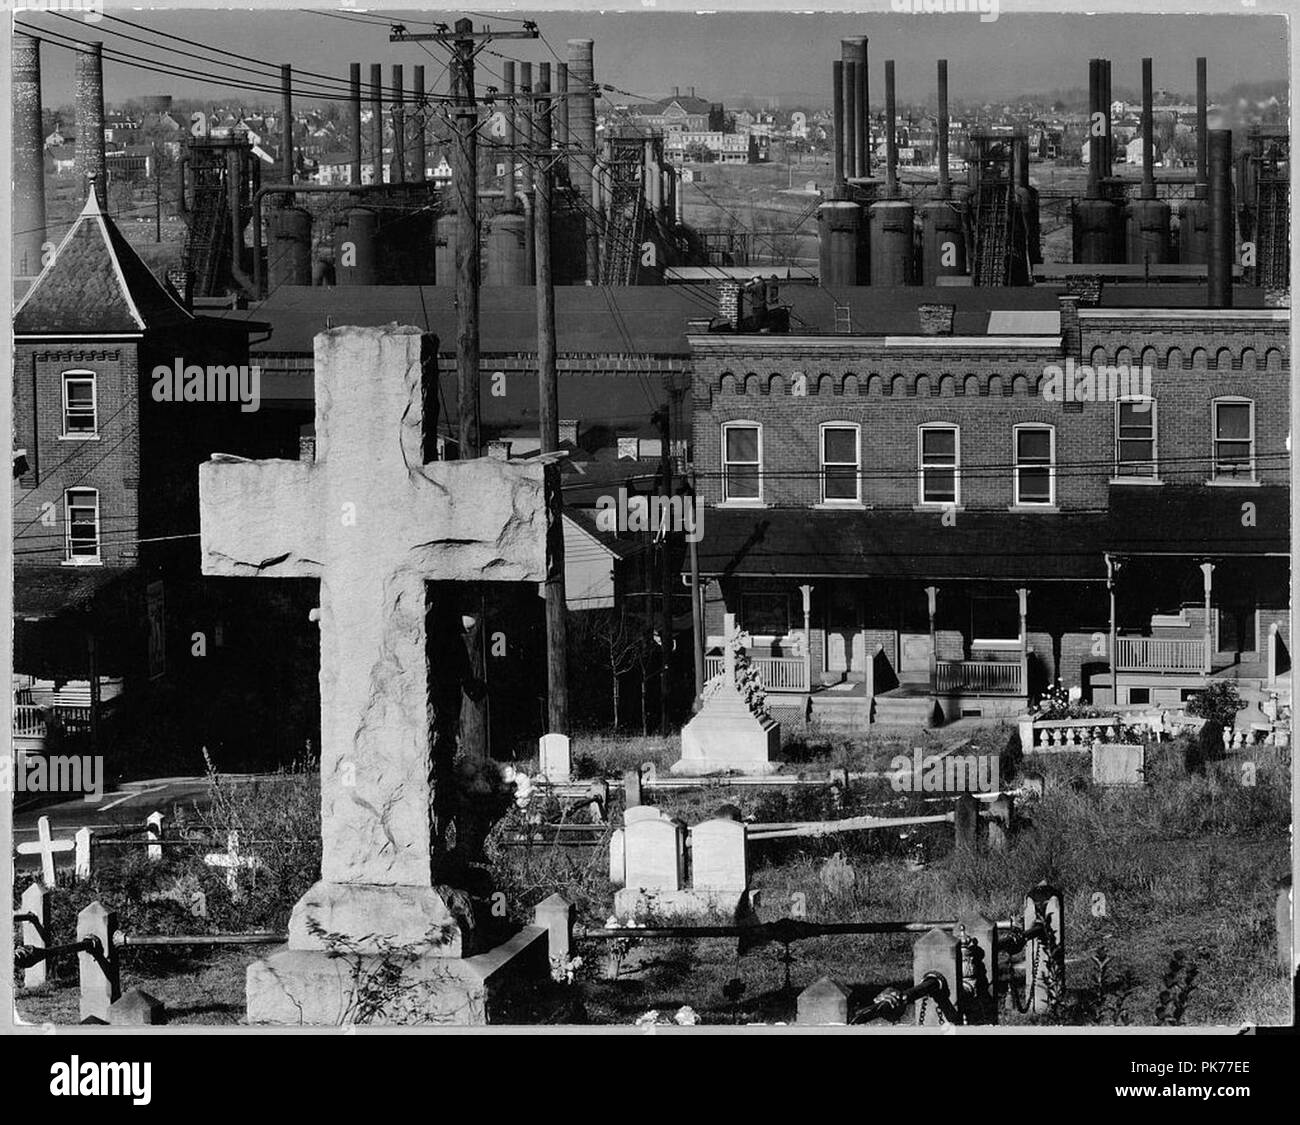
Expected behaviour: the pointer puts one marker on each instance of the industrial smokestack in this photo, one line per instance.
(418, 155)
(854, 51)
(286, 112)
(891, 140)
(850, 77)
(1202, 131)
(29, 158)
(1094, 140)
(1108, 143)
(582, 128)
(89, 159)
(1221, 225)
(377, 121)
(560, 123)
(354, 111)
(945, 187)
(399, 126)
(837, 107)
(1148, 134)
(508, 149)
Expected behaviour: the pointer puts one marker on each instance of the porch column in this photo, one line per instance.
(932, 597)
(730, 634)
(1112, 567)
(1207, 571)
(1023, 594)
(806, 591)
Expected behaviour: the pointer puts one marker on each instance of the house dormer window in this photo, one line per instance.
(80, 405)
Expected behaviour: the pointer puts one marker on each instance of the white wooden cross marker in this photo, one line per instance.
(46, 848)
(232, 861)
(374, 523)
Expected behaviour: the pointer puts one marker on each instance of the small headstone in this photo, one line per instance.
(554, 756)
(617, 858)
(823, 1002)
(655, 851)
(1116, 763)
(137, 1008)
(719, 856)
(631, 789)
(966, 819)
(837, 876)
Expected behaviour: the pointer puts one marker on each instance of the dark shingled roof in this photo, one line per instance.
(1068, 545)
(43, 592)
(96, 284)
(902, 544)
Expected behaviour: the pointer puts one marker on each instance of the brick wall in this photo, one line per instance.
(109, 463)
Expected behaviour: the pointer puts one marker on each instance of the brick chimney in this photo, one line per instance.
(499, 450)
(1072, 339)
(729, 302)
(89, 90)
(936, 320)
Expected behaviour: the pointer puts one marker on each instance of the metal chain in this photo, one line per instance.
(1033, 979)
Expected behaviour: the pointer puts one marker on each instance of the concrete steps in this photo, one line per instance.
(905, 710)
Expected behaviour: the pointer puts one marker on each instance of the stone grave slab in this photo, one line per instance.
(1116, 763)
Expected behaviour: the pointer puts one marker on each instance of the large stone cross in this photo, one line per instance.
(373, 522)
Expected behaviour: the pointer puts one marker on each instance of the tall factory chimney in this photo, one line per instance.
(1094, 139)
(419, 157)
(286, 131)
(1148, 217)
(943, 237)
(1222, 241)
(849, 76)
(560, 121)
(508, 149)
(582, 127)
(377, 121)
(890, 223)
(29, 158)
(891, 131)
(945, 186)
(853, 53)
(354, 115)
(837, 108)
(1194, 214)
(89, 159)
(399, 126)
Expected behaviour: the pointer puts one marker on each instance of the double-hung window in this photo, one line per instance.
(1035, 451)
(742, 461)
(80, 409)
(81, 516)
(841, 458)
(1135, 437)
(939, 451)
(1234, 439)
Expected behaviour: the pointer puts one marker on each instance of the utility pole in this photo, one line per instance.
(664, 417)
(464, 43)
(557, 686)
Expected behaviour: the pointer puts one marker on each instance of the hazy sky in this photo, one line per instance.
(723, 55)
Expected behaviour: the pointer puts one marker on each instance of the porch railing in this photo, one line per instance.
(1160, 654)
(28, 721)
(999, 677)
(777, 673)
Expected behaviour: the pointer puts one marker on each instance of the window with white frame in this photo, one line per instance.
(1035, 450)
(841, 457)
(1135, 437)
(81, 508)
(1234, 439)
(939, 448)
(742, 461)
(80, 409)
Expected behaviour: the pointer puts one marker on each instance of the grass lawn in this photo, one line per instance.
(1188, 864)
